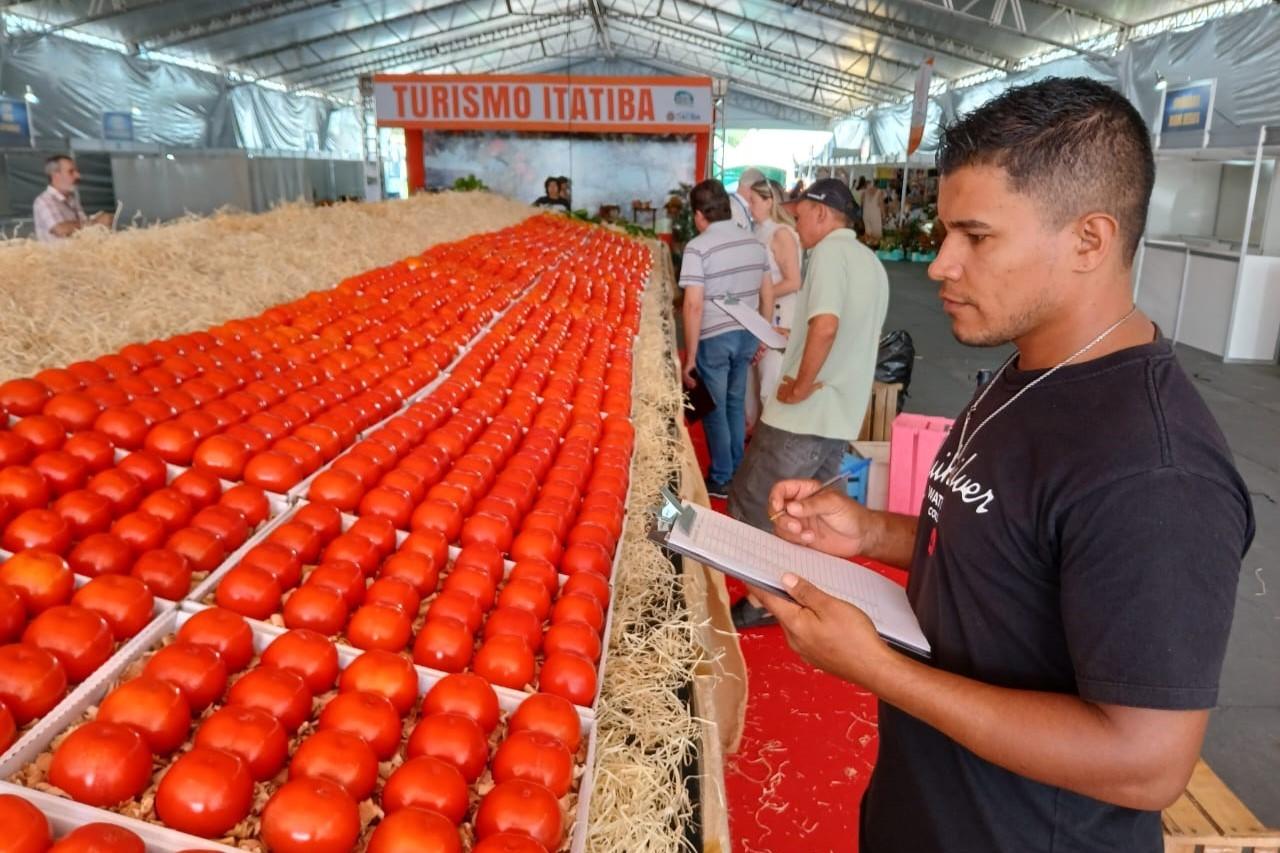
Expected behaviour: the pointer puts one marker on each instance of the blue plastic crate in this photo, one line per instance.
(859, 471)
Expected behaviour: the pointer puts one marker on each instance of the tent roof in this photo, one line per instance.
(799, 61)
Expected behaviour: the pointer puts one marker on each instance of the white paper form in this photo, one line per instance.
(749, 318)
(760, 558)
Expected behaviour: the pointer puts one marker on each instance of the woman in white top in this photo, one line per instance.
(775, 227)
(871, 198)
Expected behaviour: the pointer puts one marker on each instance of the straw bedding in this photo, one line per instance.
(98, 291)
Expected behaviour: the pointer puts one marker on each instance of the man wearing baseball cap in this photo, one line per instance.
(827, 369)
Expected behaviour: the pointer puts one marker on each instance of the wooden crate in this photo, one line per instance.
(881, 410)
(1208, 818)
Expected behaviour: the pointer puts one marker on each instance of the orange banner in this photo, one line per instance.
(544, 103)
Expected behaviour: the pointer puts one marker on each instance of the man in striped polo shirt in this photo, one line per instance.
(722, 262)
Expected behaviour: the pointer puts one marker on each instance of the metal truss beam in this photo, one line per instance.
(538, 28)
(448, 11)
(924, 39)
(786, 112)
(1085, 14)
(598, 17)
(1000, 9)
(517, 55)
(780, 98)
(452, 17)
(116, 10)
(793, 67)
(823, 43)
(216, 25)
(787, 89)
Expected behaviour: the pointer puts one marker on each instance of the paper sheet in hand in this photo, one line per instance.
(760, 559)
(750, 319)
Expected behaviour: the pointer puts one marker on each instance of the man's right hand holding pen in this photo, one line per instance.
(833, 523)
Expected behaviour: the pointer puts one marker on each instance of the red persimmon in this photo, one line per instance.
(452, 738)
(154, 708)
(250, 733)
(197, 671)
(410, 830)
(279, 692)
(80, 639)
(427, 782)
(225, 632)
(385, 673)
(340, 757)
(205, 792)
(101, 764)
(310, 816)
(371, 716)
(32, 681)
(306, 653)
(522, 807)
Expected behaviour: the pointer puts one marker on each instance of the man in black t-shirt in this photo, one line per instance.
(1074, 563)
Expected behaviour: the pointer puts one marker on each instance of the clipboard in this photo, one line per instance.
(749, 318)
(884, 602)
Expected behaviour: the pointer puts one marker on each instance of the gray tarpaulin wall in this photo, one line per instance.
(1239, 51)
(303, 147)
(157, 188)
(272, 178)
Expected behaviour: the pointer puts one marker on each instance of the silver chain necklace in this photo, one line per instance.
(964, 429)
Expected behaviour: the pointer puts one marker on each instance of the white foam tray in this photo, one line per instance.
(64, 813)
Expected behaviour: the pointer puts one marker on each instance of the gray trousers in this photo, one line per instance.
(774, 455)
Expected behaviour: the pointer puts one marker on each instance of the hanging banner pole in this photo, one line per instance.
(920, 106)
(919, 115)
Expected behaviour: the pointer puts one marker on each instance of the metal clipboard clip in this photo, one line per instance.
(669, 514)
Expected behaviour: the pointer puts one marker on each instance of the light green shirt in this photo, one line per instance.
(846, 279)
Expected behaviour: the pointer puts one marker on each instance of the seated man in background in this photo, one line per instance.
(722, 262)
(551, 198)
(827, 369)
(57, 210)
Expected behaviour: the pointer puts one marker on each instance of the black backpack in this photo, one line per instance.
(895, 359)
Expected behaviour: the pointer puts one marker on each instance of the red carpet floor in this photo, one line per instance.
(808, 747)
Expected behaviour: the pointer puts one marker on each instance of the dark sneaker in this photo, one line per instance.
(747, 615)
(717, 490)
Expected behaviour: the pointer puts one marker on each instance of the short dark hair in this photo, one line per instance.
(710, 199)
(549, 183)
(1074, 144)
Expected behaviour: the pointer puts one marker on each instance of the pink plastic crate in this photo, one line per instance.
(913, 445)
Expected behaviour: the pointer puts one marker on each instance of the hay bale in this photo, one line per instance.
(98, 291)
(647, 736)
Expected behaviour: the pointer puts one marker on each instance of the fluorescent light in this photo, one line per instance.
(31, 97)
(1161, 83)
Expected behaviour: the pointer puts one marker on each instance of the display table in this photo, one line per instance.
(1206, 297)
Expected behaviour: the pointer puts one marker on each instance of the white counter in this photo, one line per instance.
(1205, 297)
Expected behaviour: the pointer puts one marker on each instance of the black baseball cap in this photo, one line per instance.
(832, 192)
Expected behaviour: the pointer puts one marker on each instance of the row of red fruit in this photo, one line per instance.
(528, 431)
(227, 726)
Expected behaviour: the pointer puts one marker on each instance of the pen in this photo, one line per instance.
(828, 484)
